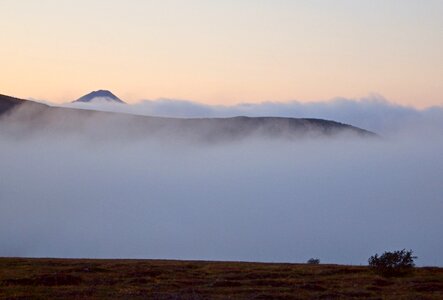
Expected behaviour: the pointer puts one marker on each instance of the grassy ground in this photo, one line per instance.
(161, 279)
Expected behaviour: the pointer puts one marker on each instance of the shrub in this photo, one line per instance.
(313, 261)
(395, 263)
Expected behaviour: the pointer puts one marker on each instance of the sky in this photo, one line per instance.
(223, 52)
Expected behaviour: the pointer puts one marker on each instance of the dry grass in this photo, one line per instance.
(22, 278)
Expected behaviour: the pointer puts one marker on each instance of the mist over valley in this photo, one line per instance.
(79, 183)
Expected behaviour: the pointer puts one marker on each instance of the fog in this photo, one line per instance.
(340, 200)
(372, 112)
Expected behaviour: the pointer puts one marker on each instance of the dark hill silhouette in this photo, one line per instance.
(8, 103)
(101, 94)
(35, 117)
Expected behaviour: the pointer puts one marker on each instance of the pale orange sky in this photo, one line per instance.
(223, 52)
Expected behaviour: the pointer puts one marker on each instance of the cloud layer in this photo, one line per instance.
(340, 200)
(372, 113)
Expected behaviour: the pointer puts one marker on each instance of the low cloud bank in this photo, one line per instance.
(373, 113)
(340, 200)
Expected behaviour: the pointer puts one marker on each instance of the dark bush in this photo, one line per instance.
(313, 261)
(397, 263)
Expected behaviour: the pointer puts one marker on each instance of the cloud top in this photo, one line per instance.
(373, 113)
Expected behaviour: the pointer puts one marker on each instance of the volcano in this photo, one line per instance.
(100, 95)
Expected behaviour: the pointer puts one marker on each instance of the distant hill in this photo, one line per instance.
(35, 117)
(101, 95)
(8, 103)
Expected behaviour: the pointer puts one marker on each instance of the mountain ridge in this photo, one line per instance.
(34, 117)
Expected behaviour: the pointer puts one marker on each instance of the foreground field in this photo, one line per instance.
(163, 279)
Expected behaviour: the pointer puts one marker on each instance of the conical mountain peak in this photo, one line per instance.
(100, 95)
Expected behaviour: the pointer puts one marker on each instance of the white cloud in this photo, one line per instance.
(372, 113)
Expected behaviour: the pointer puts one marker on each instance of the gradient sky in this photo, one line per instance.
(223, 52)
